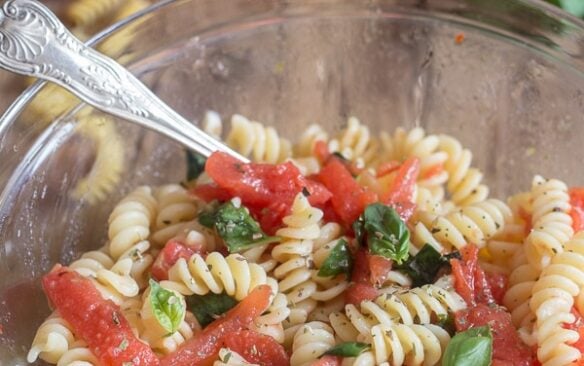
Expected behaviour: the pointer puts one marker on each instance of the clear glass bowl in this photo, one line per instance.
(504, 76)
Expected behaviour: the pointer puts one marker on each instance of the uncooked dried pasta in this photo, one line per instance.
(389, 262)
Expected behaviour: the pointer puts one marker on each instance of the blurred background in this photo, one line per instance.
(87, 17)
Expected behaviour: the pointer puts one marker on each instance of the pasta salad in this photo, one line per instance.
(335, 250)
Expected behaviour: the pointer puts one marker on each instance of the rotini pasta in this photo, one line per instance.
(294, 255)
(262, 143)
(52, 340)
(217, 274)
(310, 342)
(475, 223)
(355, 143)
(85, 13)
(551, 221)
(175, 207)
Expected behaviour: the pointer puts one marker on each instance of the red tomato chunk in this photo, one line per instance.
(169, 255)
(257, 348)
(97, 321)
(203, 348)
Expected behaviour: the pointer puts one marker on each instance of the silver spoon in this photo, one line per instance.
(34, 42)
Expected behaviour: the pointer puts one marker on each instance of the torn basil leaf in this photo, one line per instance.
(339, 260)
(209, 307)
(168, 307)
(473, 347)
(425, 265)
(348, 349)
(384, 232)
(195, 165)
(236, 227)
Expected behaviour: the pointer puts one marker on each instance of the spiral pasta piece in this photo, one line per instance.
(175, 207)
(551, 221)
(233, 275)
(84, 13)
(271, 323)
(108, 165)
(311, 341)
(52, 340)
(130, 221)
(401, 344)
(294, 255)
(464, 183)
(355, 143)
(552, 300)
(328, 287)
(475, 224)
(416, 143)
(254, 139)
(421, 305)
(308, 138)
(78, 355)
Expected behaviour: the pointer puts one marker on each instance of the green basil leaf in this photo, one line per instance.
(207, 308)
(387, 234)
(236, 227)
(348, 349)
(424, 267)
(473, 347)
(195, 165)
(168, 307)
(339, 260)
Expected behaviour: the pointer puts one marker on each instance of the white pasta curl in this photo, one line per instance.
(78, 355)
(475, 223)
(53, 339)
(294, 255)
(551, 221)
(401, 344)
(355, 143)
(175, 207)
(552, 300)
(271, 323)
(254, 139)
(464, 183)
(84, 13)
(310, 342)
(130, 221)
(310, 136)
(328, 287)
(233, 275)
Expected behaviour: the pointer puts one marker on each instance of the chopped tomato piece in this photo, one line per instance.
(263, 185)
(577, 212)
(507, 345)
(349, 199)
(211, 192)
(470, 281)
(432, 171)
(321, 151)
(498, 283)
(401, 192)
(379, 267)
(256, 348)
(359, 292)
(203, 348)
(169, 255)
(387, 168)
(327, 360)
(98, 322)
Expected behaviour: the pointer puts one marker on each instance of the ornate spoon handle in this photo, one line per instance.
(34, 42)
